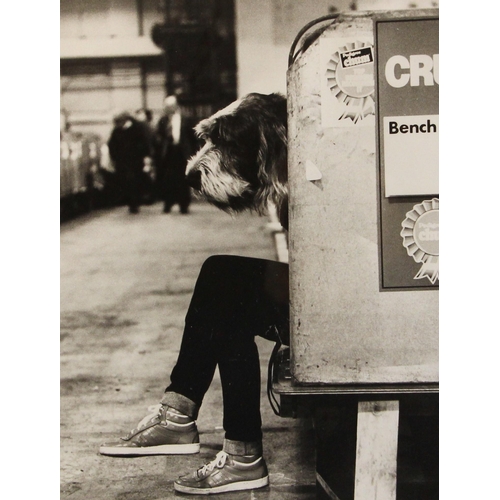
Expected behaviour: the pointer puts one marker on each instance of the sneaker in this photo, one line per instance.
(225, 473)
(165, 432)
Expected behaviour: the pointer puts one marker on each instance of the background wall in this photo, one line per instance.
(265, 31)
(109, 62)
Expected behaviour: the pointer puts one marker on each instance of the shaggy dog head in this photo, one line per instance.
(243, 163)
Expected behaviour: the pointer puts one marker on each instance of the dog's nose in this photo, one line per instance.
(193, 178)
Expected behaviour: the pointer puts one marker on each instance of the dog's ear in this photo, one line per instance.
(272, 148)
(219, 129)
(223, 129)
(272, 155)
(272, 160)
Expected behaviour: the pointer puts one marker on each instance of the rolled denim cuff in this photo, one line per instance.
(181, 403)
(242, 447)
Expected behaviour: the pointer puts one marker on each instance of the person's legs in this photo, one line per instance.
(132, 189)
(184, 196)
(168, 193)
(235, 298)
(182, 191)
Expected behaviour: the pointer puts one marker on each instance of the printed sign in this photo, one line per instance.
(347, 82)
(407, 75)
(408, 106)
(411, 152)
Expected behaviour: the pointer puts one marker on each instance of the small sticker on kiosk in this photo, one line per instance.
(350, 74)
(356, 57)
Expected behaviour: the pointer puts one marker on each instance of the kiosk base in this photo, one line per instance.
(371, 443)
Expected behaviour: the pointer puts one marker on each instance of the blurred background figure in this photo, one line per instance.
(64, 122)
(148, 191)
(175, 146)
(128, 146)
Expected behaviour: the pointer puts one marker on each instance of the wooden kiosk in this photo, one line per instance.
(364, 248)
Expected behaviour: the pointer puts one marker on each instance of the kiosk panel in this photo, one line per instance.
(359, 315)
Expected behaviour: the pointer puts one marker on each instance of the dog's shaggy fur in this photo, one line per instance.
(243, 163)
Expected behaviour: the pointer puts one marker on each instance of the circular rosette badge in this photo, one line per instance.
(350, 77)
(420, 235)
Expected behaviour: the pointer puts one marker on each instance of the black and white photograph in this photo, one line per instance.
(249, 249)
(244, 264)
(240, 293)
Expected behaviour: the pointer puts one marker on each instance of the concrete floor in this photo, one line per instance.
(126, 282)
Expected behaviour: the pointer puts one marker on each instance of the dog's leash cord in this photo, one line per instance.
(270, 374)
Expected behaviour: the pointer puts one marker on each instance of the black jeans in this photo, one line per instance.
(235, 298)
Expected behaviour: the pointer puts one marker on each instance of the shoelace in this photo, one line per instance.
(155, 411)
(218, 461)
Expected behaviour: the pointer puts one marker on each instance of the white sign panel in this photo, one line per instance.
(411, 155)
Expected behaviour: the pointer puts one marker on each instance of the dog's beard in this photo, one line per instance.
(227, 191)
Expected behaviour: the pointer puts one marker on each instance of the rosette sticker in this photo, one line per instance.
(350, 77)
(420, 235)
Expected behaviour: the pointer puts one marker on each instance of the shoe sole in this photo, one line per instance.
(164, 449)
(237, 486)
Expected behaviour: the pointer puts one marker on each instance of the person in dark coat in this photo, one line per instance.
(175, 146)
(128, 146)
(145, 117)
